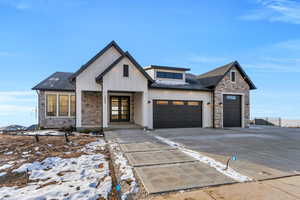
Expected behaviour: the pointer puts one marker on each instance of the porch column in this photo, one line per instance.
(145, 109)
(78, 108)
(104, 108)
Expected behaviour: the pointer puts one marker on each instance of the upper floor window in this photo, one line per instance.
(233, 76)
(170, 75)
(125, 70)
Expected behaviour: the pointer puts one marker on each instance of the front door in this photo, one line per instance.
(119, 108)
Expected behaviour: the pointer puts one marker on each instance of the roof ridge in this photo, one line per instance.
(218, 68)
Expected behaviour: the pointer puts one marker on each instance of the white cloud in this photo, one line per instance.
(14, 110)
(17, 102)
(275, 10)
(283, 56)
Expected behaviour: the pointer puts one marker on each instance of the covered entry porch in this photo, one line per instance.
(124, 110)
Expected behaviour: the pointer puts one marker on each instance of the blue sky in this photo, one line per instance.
(39, 37)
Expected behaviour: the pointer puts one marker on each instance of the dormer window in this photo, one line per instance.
(233, 76)
(125, 71)
(170, 75)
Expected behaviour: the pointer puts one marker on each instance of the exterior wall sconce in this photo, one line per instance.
(220, 103)
(149, 102)
(208, 103)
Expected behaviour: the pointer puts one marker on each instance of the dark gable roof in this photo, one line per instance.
(166, 67)
(126, 54)
(83, 67)
(59, 81)
(212, 78)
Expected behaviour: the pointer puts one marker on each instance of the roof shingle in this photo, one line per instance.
(59, 81)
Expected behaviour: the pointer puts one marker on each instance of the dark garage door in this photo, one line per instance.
(232, 110)
(177, 114)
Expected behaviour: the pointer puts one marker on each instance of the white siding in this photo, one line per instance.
(206, 97)
(115, 81)
(85, 81)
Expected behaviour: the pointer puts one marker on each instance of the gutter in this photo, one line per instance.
(213, 103)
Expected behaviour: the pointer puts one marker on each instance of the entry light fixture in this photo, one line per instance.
(208, 103)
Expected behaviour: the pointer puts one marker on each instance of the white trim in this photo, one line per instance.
(57, 104)
(243, 107)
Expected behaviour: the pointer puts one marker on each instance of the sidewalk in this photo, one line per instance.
(277, 189)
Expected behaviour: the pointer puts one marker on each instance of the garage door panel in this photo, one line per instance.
(177, 116)
(232, 111)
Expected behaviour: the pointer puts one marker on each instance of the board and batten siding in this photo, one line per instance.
(85, 81)
(135, 82)
(185, 95)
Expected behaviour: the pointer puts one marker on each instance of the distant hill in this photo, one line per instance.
(13, 128)
(32, 127)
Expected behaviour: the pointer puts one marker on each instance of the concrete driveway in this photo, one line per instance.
(262, 152)
(162, 168)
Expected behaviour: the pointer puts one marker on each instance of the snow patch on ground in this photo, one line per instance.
(8, 153)
(43, 132)
(93, 146)
(5, 166)
(207, 160)
(2, 174)
(85, 177)
(125, 169)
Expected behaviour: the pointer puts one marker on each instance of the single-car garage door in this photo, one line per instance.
(232, 111)
(177, 114)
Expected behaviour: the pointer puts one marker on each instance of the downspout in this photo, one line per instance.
(102, 105)
(38, 110)
(213, 104)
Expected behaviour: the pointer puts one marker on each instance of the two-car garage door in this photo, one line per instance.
(177, 114)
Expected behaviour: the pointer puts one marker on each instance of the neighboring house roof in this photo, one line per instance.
(83, 67)
(59, 81)
(166, 67)
(126, 54)
(212, 78)
(191, 84)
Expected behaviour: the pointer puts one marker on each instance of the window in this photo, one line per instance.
(125, 70)
(231, 97)
(170, 75)
(63, 105)
(51, 105)
(193, 103)
(73, 105)
(60, 105)
(162, 102)
(178, 103)
(232, 76)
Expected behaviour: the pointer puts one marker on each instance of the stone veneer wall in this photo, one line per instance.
(91, 109)
(52, 122)
(226, 86)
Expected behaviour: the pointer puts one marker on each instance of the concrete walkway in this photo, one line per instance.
(162, 168)
(279, 189)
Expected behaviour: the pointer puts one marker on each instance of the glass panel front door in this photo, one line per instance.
(120, 108)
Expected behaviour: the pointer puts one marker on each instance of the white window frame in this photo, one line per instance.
(57, 104)
(231, 71)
